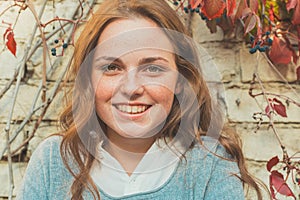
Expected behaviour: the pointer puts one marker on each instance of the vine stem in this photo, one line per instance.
(280, 75)
(271, 122)
(279, 96)
(10, 82)
(8, 124)
(10, 168)
(9, 7)
(44, 109)
(33, 109)
(48, 102)
(19, 76)
(56, 19)
(25, 57)
(45, 104)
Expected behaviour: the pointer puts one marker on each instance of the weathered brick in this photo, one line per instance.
(44, 130)
(8, 65)
(263, 145)
(224, 59)
(250, 63)
(19, 139)
(23, 103)
(201, 33)
(18, 172)
(244, 111)
(233, 62)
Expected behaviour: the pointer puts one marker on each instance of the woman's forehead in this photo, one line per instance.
(128, 35)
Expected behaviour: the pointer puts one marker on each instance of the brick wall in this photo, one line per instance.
(234, 63)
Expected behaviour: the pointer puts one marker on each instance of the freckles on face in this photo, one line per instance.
(134, 86)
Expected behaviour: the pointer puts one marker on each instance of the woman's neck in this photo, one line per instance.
(128, 151)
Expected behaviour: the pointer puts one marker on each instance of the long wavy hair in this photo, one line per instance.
(81, 108)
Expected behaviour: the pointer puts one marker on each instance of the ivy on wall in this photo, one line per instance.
(270, 27)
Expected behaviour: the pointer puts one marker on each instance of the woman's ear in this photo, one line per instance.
(178, 87)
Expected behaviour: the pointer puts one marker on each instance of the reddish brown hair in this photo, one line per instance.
(82, 108)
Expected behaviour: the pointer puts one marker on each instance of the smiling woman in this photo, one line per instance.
(142, 123)
(134, 91)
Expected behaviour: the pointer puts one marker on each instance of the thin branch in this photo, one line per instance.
(279, 74)
(10, 82)
(14, 24)
(44, 108)
(10, 168)
(271, 122)
(279, 96)
(57, 19)
(16, 92)
(6, 9)
(34, 108)
(38, 43)
(25, 57)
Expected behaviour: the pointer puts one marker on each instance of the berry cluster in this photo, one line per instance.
(62, 45)
(261, 45)
(189, 8)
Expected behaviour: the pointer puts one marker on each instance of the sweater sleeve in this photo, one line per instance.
(35, 184)
(224, 182)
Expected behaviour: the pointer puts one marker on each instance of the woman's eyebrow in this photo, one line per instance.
(140, 62)
(151, 59)
(108, 58)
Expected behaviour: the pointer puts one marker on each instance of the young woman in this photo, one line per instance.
(142, 123)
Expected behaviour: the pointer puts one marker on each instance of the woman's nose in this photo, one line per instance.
(132, 86)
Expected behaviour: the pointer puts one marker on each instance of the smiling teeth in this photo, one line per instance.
(131, 109)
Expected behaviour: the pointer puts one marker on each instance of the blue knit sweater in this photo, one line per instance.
(202, 175)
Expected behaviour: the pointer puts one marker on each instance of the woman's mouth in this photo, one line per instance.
(132, 109)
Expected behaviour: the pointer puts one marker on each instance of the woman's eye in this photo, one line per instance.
(153, 69)
(111, 68)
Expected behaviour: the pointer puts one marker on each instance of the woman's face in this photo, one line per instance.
(134, 77)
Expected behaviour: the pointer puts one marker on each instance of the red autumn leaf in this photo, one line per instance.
(271, 188)
(271, 13)
(298, 73)
(230, 6)
(6, 32)
(253, 4)
(272, 162)
(246, 12)
(278, 182)
(268, 110)
(280, 53)
(259, 26)
(11, 43)
(242, 5)
(213, 8)
(279, 107)
(250, 23)
(280, 110)
(291, 4)
(195, 3)
(296, 16)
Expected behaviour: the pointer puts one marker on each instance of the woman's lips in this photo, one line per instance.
(132, 109)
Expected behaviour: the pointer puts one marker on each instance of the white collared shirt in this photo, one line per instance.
(154, 169)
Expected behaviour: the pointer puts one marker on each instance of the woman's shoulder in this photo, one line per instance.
(48, 148)
(210, 147)
(52, 141)
(210, 158)
(47, 157)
